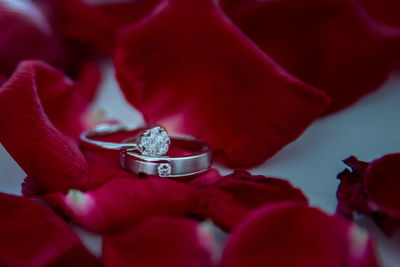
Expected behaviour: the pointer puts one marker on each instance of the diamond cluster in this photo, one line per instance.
(154, 142)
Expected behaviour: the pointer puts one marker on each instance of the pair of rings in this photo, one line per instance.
(146, 152)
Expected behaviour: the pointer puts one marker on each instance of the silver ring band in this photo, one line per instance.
(172, 167)
(104, 129)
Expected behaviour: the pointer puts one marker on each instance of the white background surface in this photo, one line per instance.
(368, 130)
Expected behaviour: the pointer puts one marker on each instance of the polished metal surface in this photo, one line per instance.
(173, 167)
(104, 129)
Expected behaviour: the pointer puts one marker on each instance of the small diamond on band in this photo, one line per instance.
(164, 169)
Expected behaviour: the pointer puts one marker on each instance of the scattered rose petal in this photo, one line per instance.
(41, 109)
(209, 178)
(127, 12)
(29, 31)
(349, 192)
(105, 166)
(236, 195)
(25, 33)
(382, 183)
(372, 189)
(293, 235)
(3, 79)
(187, 67)
(90, 29)
(332, 45)
(386, 11)
(83, 28)
(32, 235)
(159, 241)
(122, 202)
(30, 188)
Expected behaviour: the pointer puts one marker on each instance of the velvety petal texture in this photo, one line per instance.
(32, 235)
(386, 11)
(25, 33)
(349, 191)
(372, 189)
(160, 241)
(89, 29)
(236, 195)
(41, 109)
(122, 13)
(333, 45)
(34, 30)
(82, 27)
(121, 202)
(188, 67)
(292, 235)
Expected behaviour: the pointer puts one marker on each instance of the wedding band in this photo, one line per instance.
(150, 142)
(145, 152)
(196, 163)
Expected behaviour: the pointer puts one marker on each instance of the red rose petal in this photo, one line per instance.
(236, 195)
(124, 13)
(35, 104)
(89, 78)
(3, 79)
(105, 166)
(32, 235)
(83, 26)
(373, 191)
(29, 188)
(25, 33)
(29, 31)
(122, 202)
(186, 66)
(386, 11)
(382, 183)
(381, 186)
(349, 191)
(332, 45)
(295, 235)
(209, 178)
(159, 241)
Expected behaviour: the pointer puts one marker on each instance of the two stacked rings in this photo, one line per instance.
(146, 152)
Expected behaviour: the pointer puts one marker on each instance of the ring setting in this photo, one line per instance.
(153, 142)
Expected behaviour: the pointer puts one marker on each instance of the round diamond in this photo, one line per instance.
(164, 169)
(154, 142)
